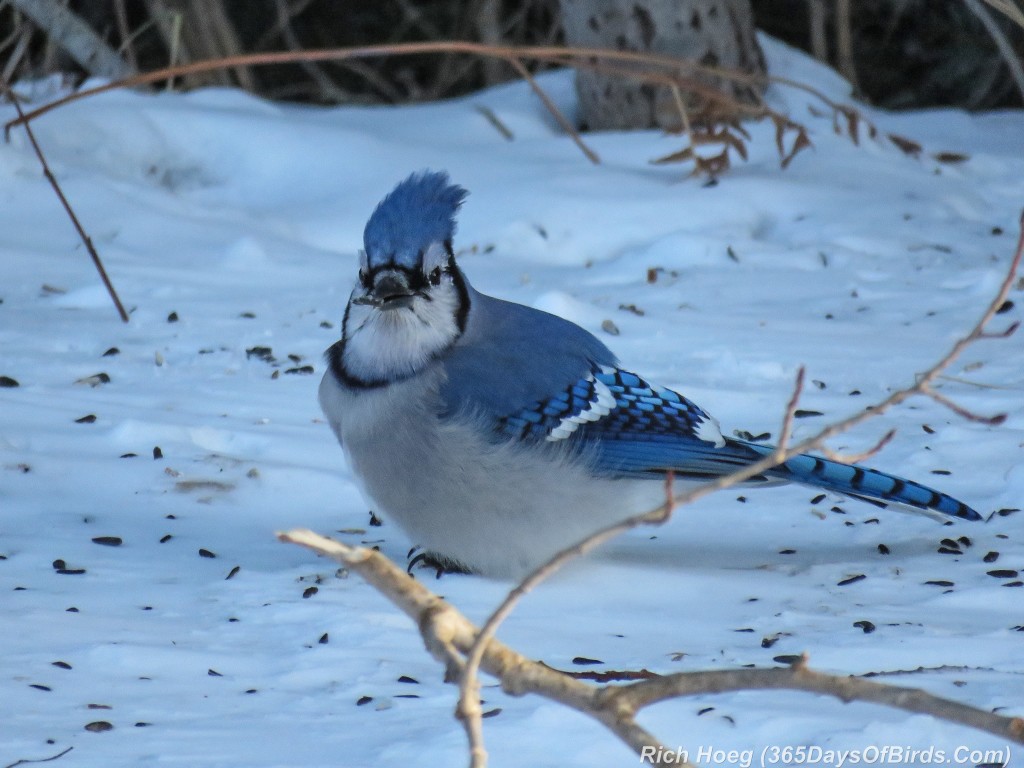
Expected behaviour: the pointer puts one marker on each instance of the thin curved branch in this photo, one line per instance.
(560, 55)
(468, 708)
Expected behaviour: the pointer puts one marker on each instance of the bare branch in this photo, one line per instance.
(798, 677)
(67, 206)
(854, 458)
(448, 635)
(554, 110)
(51, 758)
(962, 412)
(495, 121)
(447, 632)
(468, 707)
(787, 420)
(657, 68)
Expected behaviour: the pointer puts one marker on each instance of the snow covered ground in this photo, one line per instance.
(229, 224)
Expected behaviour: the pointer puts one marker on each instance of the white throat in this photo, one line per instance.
(391, 344)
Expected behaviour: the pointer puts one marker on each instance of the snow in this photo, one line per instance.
(245, 217)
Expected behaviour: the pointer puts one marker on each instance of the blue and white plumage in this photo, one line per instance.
(495, 434)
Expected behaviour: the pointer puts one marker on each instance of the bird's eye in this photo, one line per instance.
(364, 278)
(435, 276)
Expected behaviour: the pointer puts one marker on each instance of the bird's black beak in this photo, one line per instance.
(390, 291)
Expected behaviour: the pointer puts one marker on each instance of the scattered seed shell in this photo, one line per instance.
(95, 380)
(1003, 573)
(788, 658)
(851, 580)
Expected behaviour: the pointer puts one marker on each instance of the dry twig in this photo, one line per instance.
(450, 638)
(51, 758)
(67, 206)
(649, 67)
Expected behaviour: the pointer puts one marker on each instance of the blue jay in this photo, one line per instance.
(495, 434)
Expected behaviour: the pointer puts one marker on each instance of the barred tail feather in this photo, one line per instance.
(870, 485)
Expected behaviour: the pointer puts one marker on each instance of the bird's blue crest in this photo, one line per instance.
(419, 211)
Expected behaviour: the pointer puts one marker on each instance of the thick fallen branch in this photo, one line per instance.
(450, 638)
(76, 37)
(449, 635)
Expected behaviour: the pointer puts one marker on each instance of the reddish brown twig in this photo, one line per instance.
(654, 68)
(50, 759)
(853, 458)
(555, 111)
(64, 202)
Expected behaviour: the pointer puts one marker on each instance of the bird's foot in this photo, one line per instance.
(439, 563)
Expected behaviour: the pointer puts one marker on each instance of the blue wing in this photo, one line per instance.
(626, 424)
(541, 379)
(631, 428)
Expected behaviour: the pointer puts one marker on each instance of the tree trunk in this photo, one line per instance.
(709, 32)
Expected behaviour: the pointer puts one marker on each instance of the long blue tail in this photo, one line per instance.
(859, 482)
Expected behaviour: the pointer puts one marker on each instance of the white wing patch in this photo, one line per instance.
(597, 409)
(709, 430)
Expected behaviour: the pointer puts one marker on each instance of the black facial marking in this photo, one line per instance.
(462, 313)
(417, 282)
